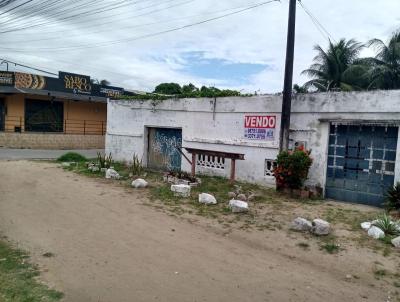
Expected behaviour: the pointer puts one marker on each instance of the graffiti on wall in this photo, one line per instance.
(163, 148)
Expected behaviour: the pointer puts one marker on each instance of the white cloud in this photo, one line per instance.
(256, 36)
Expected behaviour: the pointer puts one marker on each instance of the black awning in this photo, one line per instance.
(56, 94)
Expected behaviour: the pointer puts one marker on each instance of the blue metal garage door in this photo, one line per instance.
(163, 149)
(361, 163)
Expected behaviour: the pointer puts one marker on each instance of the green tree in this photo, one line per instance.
(338, 68)
(385, 67)
(168, 88)
(299, 89)
(188, 89)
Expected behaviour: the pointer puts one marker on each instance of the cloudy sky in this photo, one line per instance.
(124, 45)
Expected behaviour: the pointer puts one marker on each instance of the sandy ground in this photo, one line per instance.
(109, 246)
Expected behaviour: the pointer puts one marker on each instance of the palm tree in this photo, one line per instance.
(385, 67)
(337, 68)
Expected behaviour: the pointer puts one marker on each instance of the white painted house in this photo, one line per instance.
(353, 137)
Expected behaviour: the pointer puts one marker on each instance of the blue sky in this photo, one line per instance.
(196, 64)
(244, 51)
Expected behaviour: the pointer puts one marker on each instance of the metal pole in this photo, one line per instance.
(287, 89)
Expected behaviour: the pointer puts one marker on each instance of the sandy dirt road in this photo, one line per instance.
(108, 246)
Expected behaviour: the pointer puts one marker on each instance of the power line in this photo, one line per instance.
(94, 24)
(317, 23)
(80, 14)
(109, 43)
(133, 26)
(4, 3)
(26, 66)
(15, 7)
(42, 8)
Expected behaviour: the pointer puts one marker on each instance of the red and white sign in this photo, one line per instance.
(260, 127)
(260, 121)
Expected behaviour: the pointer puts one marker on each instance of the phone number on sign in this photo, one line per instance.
(259, 134)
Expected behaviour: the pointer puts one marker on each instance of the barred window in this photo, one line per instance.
(269, 166)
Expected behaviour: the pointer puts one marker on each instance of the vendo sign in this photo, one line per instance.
(260, 127)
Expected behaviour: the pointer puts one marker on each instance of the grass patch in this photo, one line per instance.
(18, 281)
(380, 273)
(72, 157)
(351, 218)
(331, 248)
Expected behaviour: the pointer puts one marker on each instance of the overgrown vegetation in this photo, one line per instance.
(18, 278)
(386, 224)
(292, 168)
(166, 91)
(393, 198)
(104, 161)
(72, 157)
(136, 166)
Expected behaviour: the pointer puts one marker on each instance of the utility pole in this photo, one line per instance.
(287, 88)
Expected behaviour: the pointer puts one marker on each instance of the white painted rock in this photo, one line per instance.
(181, 190)
(139, 183)
(95, 169)
(396, 242)
(111, 174)
(301, 224)
(376, 232)
(320, 227)
(366, 225)
(65, 164)
(238, 206)
(207, 198)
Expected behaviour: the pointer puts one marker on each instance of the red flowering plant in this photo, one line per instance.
(292, 168)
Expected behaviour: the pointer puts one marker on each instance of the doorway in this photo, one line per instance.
(163, 149)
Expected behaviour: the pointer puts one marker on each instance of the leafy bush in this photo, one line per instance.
(136, 167)
(292, 168)
(386, 224)
(393, 198)
(72, 157)
(166, 91)
(104, 161)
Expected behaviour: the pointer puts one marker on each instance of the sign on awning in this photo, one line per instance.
(7, 78)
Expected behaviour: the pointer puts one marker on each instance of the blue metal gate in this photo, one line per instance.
(361, 163)
(163, 149)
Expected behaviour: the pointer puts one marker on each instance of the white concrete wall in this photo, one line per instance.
(220, 126)
(203, 127)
